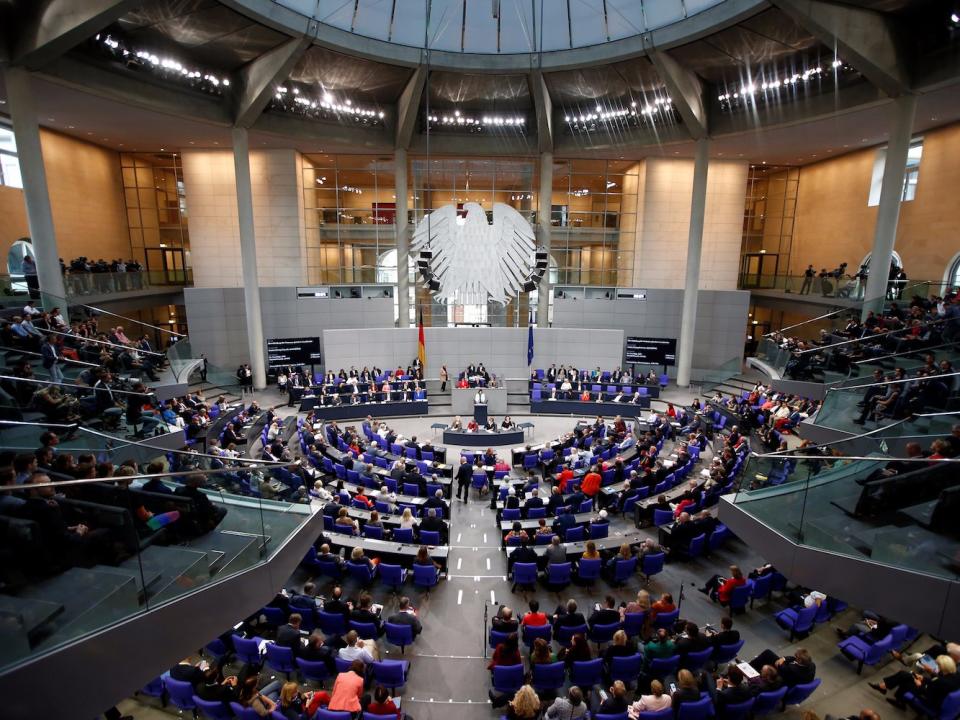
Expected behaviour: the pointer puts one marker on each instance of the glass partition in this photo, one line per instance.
(126, 543)
(897, 512)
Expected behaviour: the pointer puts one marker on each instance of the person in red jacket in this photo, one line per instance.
(565, 476)
(591, 483)
(720, 589)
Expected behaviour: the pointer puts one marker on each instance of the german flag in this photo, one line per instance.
(421, 346)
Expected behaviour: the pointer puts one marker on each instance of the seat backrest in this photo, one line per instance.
(767, 702)
(508, 678)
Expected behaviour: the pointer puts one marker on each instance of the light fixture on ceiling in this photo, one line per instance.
(955, 18)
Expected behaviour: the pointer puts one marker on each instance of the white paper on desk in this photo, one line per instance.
(705, 473)
(747, 670)
(263, 646)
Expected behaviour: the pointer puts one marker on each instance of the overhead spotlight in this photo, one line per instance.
(529, 286)
(955, 18)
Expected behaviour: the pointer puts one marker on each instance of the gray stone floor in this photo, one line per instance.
(448, 678)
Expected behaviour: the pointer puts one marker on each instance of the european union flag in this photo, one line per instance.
(529, 343)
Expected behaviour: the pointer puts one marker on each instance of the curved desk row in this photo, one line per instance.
(594, 387)
(482, 438)
(361, 410)
(588, 409)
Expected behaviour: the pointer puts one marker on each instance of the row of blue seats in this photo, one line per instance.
(393, 576)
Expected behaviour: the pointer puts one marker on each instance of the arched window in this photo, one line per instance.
(18, 251)
(951, 278)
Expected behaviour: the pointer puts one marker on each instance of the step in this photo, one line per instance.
(178, 569)
(232, 550)
(131, 568)
(90, 599)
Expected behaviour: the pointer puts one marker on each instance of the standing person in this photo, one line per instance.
(808, 275)
(444, 376)
(464, 477)
(29, 268)
(245, 377)
(203, 368)
(51, 359)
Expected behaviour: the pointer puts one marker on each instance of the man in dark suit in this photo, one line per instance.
(431, 523)
(793, 669)
(436, 501)
(568, 616)
(522, 554)
(727, 635)
(208, 515)
(336, 604)
(606, 615)
(692, 641)
(306, 599)
(732, 689)
(464, 477)
(364, 613)
(412, 444)
(406, 616)
(534, 501)
(289, 635)
(683, 530)
(555, 501)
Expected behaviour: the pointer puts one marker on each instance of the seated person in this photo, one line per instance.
(793, 669)
(406, 615)
(504, 621)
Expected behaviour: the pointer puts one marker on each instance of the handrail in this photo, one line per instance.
(837, 458)
(4, 348)
(144, 443)
(124, 317)
(904, 353)
(104, 342)
(865, 434)
(69, 385)
(820, 348)
(886, 382)
(820, 317)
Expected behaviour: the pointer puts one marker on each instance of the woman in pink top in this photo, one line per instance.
(347, 689)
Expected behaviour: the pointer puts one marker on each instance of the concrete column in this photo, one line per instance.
(36, 195)
(248, 256)
(403, 236)
(691, 288)
(888, 211)
(544, 201)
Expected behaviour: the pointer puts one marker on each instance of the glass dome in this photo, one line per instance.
(498, 27)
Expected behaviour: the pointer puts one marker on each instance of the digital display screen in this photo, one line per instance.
(651, 351)
(293, 351)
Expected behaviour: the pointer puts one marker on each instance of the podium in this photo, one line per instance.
(480, 413)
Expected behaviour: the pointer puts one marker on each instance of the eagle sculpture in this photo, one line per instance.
(474, 260)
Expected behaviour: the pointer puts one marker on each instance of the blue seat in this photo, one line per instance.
(535, 513)
(798, 693)
(430, 537)
(798, 621)
(623, 571)
(525, 575)
(154, 688)
(425, 576)
(601, 634)
(633, 623)
(661, 667)
(586, 673)
(361, 572)
(865, 653)
(532, 632)
(665, 714)
(403, 535)
(511, 513)
(575, 533)
(393, 576)
(948, 710)
(214, 710)
(696, 546)
(662, 517)
(366, 630)
(699, 710)
(626, 668)
(324, 714)
(371, 716)
(496, 637)
(558, 575)
(762, 587)
(245, 713)
(280, 659)
(342, 664)
(215, 649)
(332, 623)
(726, 653)
(652, 564)
(740, 596)
(374, 532)
(768, 702)
(736, 711)
(666, 619)
(399, 635)
(589, 570)
(565, 633)
(275, 617)
(543, 539)
(180, 693)
(549, 676)
(315, 670)
(247, 650)
(507, 679)
(599, 530)
(696, 660)
(391, 673)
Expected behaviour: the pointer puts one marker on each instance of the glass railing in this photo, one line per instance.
(909, 361)
(723, 372)
(118, 547)
(848, 287)
(889, 511)
(78, 285)
(849, 408)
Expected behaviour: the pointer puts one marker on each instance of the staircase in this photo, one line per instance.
(742, 382)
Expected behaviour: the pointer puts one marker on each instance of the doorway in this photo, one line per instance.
(167, 266)
(759, 270)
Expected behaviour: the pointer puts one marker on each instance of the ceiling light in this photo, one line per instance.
(954, 18)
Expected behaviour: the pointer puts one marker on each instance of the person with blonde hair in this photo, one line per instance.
(525, 704)
(932, 690)
(290, 703)
(407, 520)
(687, 689)
(616, 702)
(655, 701)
